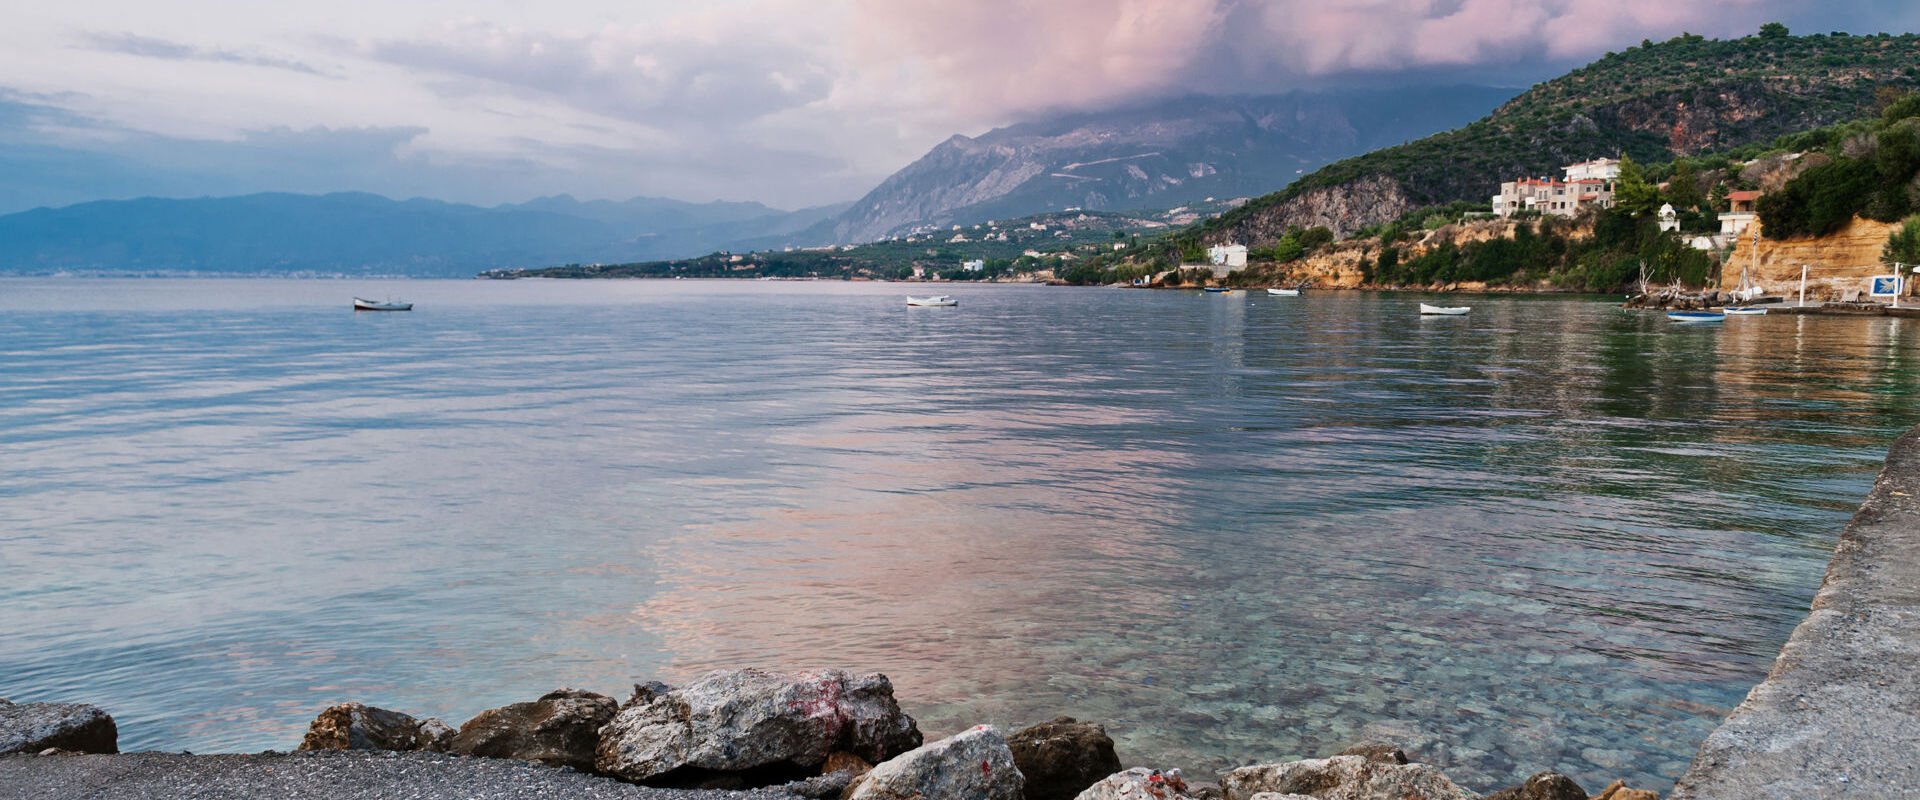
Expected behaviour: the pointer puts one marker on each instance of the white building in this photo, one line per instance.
(975, 265)
(1602, 169)
(1587, 183)
(1669, 219)
(1227, 255)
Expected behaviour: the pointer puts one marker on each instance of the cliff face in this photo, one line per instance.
(1341, 266)
(1156, 156)
(1837, 264)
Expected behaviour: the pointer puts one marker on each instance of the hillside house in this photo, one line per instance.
(975, 265)
(1740, 213)
(1589, 183)
(1232, 256)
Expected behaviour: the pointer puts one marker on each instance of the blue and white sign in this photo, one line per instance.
(1884, 286)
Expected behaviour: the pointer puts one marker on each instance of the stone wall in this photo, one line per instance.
(1839, 715)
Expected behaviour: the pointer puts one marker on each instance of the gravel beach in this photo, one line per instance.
(327, 775)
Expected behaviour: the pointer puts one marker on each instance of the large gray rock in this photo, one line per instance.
(974, 765)
(1140, 783)
(760, 727)
(354, 726)
(1062, 757)
(1344, 778)
(560, 729)
(33, 727)
(1544, 786)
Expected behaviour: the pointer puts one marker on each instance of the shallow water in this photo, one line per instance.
(1550, 535)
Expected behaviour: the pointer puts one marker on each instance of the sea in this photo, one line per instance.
(1550, 534)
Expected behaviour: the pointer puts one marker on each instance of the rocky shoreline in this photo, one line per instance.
(818, 735)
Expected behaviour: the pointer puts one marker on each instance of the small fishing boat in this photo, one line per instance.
(1748, 311)
(1215, 289)
(1284, 292)
(1450, 311)
(362, 304)
(936, 300)
(1696, 316)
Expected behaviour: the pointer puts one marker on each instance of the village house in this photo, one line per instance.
(1227, 255)
(975, 265)
(1589, 183)
(1740, 213)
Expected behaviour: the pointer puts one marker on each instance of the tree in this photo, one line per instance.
(1631, 192)
(1903, 245)
(1683, 189)
(1773, 30)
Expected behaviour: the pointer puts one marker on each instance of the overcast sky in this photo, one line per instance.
(788, 102)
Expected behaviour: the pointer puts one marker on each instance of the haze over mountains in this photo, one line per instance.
(1143, 156)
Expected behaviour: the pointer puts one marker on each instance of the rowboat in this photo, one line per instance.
(1215, 289)
(1749, 311)
(361, 304)
(1451, 311)
(1284, 292)
(936, 300)
(1696, 316)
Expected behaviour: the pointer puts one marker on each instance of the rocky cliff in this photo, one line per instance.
(1837, 265)
(1159, 155)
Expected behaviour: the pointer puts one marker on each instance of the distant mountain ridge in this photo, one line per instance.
(1156, 155)
(358, 233)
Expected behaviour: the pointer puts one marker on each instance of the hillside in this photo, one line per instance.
(1653, 102)
(355, 233)
(1148, 156)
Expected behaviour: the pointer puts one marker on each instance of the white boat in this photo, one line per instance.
(1451, 311)
(1284, 292)
(361, 304)
(1749, 311)
(936, 300)
(1696, 316)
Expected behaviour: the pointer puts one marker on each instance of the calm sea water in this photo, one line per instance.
(1549, 535)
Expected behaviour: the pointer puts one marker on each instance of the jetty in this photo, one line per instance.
(1839, 714)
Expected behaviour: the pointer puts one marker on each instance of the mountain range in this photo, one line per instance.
(1157, 155)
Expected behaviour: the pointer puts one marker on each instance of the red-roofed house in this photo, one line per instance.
(1740, 213)
(1587, 183)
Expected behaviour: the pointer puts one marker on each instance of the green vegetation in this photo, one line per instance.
(1651, 103)
(1871, 170)
(1903, 245)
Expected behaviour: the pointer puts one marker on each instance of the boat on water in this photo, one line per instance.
(363, 304)
(1748, 311)
(1284, 292)
(1445, 311)
(1696, 316)
(935, 300)
(1216, 290)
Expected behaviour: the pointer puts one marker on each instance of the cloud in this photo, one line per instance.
(674, 75)
(150, 47)
(1026, 55)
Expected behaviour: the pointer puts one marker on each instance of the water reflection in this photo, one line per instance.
(1551, 534)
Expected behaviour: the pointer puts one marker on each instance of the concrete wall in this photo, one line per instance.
(1839, 715)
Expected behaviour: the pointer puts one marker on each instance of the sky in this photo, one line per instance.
(792, 103)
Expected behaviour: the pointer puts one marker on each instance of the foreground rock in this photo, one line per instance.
(975, 765)
(33, 727)
(753, 728)
(1544, 786)
(560, 729)
(1343, 778)
(1618, 791)
(1837, 715)
(1379, 753)
(354, 726)
(1141, 783)
(1062, 757)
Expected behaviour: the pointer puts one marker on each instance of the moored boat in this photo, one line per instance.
(362, 304)
(1696, 316)
(935, 300)
(1748, 311)
(1215, 289)
(1448, 311)
(1284, 292)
